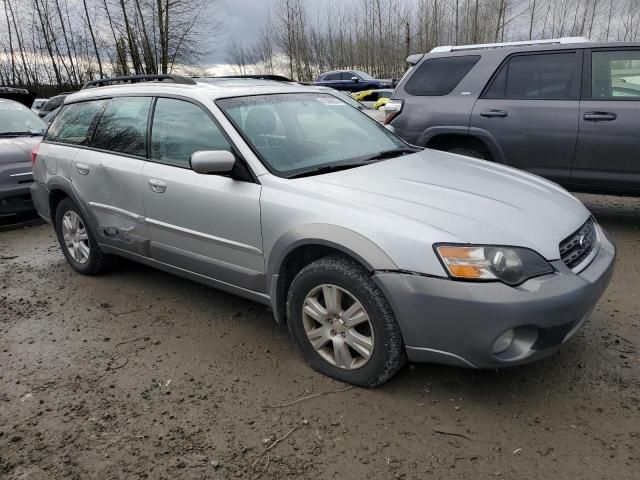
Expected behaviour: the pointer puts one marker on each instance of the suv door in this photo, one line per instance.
(608, 142)
(530, 108)
(207, 224)
(107, 176)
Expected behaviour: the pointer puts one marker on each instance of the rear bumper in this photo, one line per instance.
(457, 323)
(40, 196)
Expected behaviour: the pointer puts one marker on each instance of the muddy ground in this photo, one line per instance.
(140, 374)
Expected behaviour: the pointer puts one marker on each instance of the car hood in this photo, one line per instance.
(468, 200)
(17, 149)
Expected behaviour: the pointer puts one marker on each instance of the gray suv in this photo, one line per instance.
(370, 250)
(564, 109)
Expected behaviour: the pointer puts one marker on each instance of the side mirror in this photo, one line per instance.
(355, 79)
(212, 161)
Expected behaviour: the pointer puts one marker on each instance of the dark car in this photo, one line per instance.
(52, 104)
(20, 131)
(351, 80)
(565, 109)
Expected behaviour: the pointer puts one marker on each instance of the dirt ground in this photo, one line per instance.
(141, 374)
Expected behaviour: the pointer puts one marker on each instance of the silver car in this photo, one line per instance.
(370, 250)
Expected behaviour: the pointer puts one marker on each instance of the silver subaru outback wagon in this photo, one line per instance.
(370, 250)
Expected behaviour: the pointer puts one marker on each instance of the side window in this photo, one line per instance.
(549, 76)
(615, 74)
(123, 126)
(439, 76)
(75, 123)
(347, 75)
(52, 104)
(181, 128)
(331, 76)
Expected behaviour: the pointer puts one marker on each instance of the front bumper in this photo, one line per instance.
(457, 323)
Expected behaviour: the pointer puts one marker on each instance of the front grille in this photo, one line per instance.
(577, 246)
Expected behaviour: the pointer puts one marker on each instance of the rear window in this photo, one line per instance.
(123, 126)
(439, 76)
(75, 123)
(549, 76)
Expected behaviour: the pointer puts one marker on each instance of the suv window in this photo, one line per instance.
(181, 128)
(615, 74)
(123, 126)
(347, 75)
(331, 76)
(549, 76)
(439, 76)
(75, 123)
(52, 104)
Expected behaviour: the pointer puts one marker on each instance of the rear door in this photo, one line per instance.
(207, 224)
(107, 175)
(531, 109)
(608, 150)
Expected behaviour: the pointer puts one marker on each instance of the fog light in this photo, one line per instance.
(504, 341)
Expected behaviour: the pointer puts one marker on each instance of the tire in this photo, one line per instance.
(380, 329)
(469, 152)
(89, 261)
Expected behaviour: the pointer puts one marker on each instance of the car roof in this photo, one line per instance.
(201, 90)
(507, 49)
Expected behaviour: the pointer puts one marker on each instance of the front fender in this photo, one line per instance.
(342, 239)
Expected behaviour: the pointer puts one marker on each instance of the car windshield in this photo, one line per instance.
(363, 75)
(16, 119)
(305, 133)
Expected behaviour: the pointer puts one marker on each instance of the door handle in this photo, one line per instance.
(493, 113)
(82, 168)
(600, 116)
(157, 186)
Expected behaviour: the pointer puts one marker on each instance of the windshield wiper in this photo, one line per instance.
(328, 169)
(21, 134)
(395, 152)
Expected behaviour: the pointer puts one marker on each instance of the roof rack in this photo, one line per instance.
(479, 46)
(275, 78)
(139, 78)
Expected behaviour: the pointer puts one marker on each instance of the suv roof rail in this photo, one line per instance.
(524, 43)
(140, 78)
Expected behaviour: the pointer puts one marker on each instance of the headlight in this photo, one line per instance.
(511, 265)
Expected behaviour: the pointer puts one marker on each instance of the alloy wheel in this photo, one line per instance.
(75, 237)
(338, 327)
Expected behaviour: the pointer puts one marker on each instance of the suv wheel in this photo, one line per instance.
(343, 323)
(469, 152)
(76, 241)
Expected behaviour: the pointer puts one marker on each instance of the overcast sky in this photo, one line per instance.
(242, 20)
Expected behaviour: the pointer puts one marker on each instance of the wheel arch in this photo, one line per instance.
(301, 246)
(440, 138)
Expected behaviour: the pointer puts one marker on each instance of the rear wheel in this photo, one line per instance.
(76, 240)
(343, 323)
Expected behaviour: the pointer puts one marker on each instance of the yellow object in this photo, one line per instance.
(381, 103)
(360, 96)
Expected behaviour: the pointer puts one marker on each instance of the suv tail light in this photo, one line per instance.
(34, 153)
(392, 109)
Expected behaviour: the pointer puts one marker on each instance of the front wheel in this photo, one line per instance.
(343, 323)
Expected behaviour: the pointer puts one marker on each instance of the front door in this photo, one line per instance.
(206, 224)
(531, 110)
(608, 150)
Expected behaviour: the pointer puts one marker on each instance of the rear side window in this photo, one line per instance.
(615, 74)
(439, 76)
(181, 128)
(549, 76)
(123, 126)
(75, 123)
